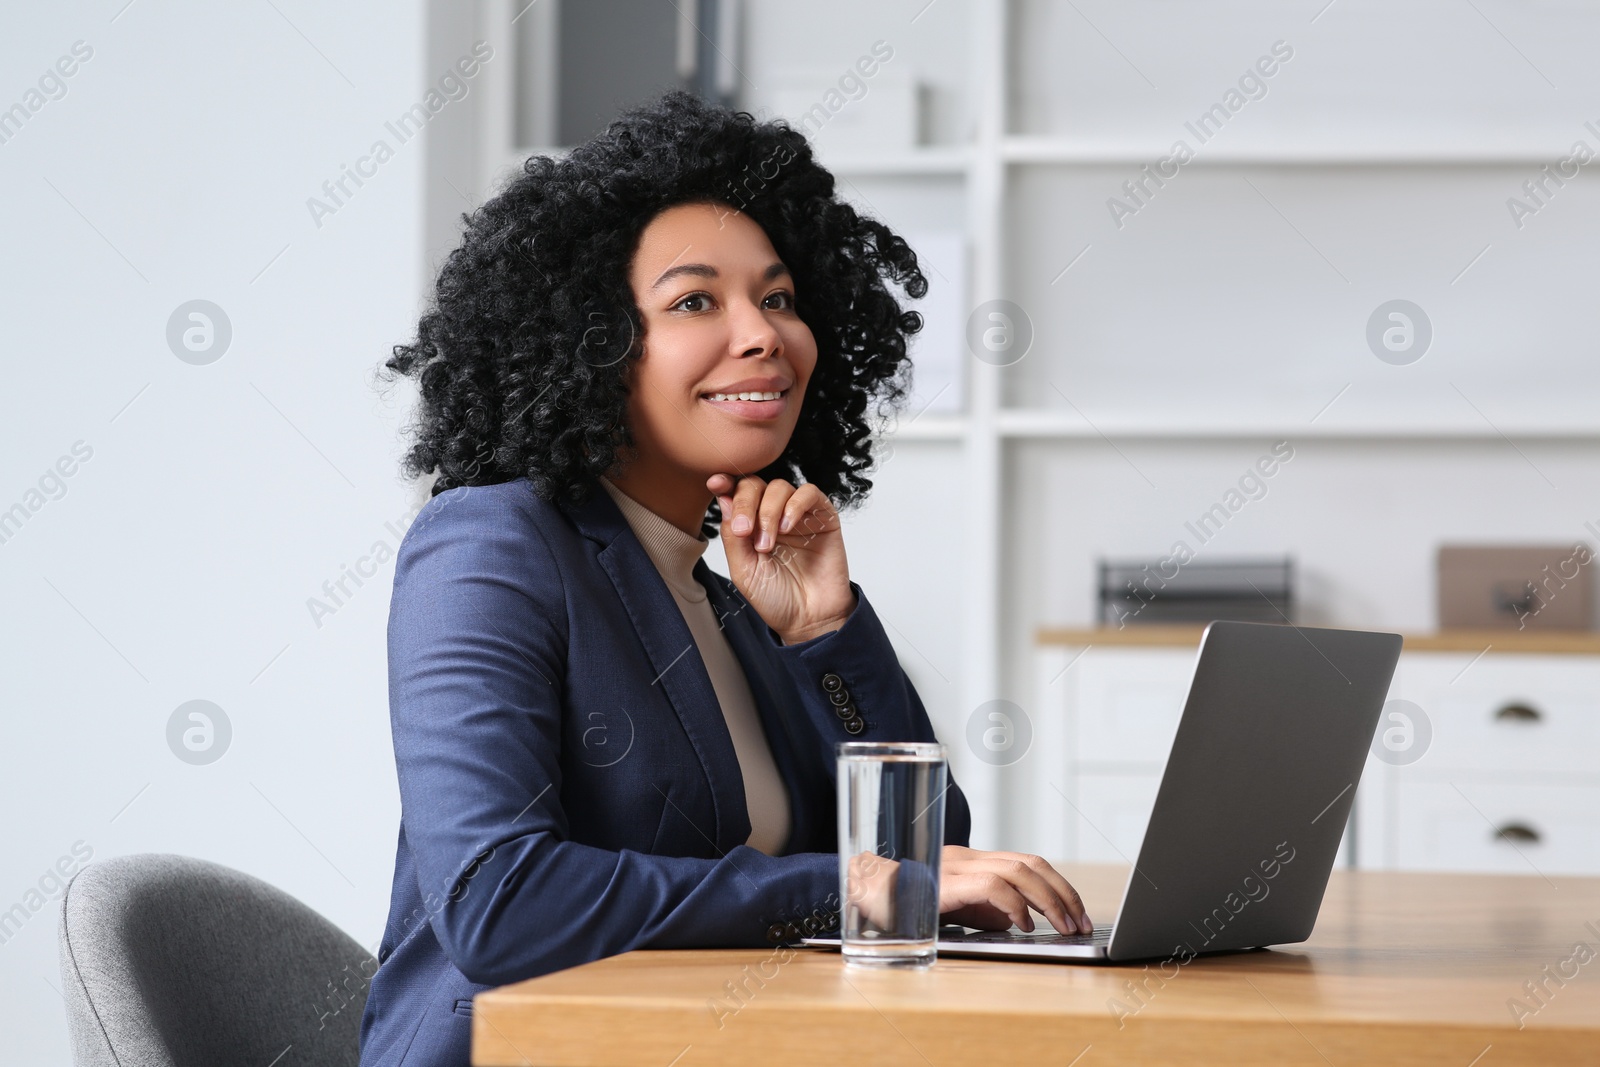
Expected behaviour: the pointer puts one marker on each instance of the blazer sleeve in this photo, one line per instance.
(858, 662)
(477, 643)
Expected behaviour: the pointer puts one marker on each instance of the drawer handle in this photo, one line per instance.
(1517, 833)
(1518, 713)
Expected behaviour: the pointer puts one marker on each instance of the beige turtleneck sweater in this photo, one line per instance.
(674, 553)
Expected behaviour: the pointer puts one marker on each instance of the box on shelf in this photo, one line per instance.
(1516, 587)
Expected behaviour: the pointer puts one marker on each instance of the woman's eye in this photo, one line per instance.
(786, 299)
(702, 297)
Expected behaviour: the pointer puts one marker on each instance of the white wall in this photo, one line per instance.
(218, 497)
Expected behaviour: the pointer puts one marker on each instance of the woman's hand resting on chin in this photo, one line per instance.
(785, 554)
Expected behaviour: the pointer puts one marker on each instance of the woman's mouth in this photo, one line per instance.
(758, 405)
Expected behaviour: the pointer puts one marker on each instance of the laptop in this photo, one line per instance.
(1252, 805)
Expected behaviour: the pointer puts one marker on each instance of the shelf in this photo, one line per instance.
(932, 162)
(1024, 425)
(1023, 149)
(1046, 424)
(955, 161)
(935, 162)
(928, 428)
(1548, 642)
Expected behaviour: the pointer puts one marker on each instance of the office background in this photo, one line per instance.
(210, 518)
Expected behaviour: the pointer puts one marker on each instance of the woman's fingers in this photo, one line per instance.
(870, 885)
(973, 890)
(1029, 877)
(746, 499)
(1064, 890)
(1034, 891)
(762, 511)
(982, 916)
(737, 496)
(769, 513)
(808, 511)
(741, 557)
(1054, 898)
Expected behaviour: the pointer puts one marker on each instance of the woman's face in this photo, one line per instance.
(726, 358)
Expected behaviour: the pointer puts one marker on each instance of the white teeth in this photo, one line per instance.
(744, 396)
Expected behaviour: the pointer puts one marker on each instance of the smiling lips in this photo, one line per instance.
(759, 404)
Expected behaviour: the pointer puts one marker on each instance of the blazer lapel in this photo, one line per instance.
(784, 719)
(679, 670)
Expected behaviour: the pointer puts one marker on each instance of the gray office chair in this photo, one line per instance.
(175, 962)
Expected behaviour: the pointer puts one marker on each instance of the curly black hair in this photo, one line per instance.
(521, 358)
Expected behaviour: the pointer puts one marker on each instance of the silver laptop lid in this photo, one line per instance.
(1257, 788)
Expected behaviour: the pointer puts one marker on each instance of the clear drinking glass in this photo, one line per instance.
(891, 835)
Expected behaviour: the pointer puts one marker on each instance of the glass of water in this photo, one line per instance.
(891, 835)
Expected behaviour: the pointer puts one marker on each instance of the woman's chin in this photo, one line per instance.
(745, 457)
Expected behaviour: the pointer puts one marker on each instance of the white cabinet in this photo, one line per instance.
(1510, 780)
(1109, 719)
(1506, 778)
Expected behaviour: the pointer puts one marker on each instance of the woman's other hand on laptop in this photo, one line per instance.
(993, 890)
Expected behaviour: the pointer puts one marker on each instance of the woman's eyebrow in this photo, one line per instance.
(705, 270)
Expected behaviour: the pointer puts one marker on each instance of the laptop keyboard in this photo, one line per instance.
(1100, 936)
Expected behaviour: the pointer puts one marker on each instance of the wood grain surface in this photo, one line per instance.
(1403, 968)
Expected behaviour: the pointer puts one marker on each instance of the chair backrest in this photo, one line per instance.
(170, 961)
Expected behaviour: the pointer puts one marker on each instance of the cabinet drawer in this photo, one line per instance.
(1508, 712)
(1128, 704)
(1514, 829)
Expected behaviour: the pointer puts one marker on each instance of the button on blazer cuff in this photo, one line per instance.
(858, 653)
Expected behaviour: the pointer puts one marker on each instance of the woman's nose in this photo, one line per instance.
(752, 333)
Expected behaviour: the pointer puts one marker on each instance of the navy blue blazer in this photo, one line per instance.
(568, 786)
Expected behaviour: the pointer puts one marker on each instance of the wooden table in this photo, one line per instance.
(1403, 968)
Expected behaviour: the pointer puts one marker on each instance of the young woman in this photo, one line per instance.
(676, 331)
